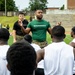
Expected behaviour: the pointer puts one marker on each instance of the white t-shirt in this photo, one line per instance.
(37, 47)
(73, 40)
(74, 61)
(58, 59)
(3, 62)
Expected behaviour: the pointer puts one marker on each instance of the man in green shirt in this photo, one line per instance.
(38, 27)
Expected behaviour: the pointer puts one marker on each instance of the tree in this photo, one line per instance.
(10, 5)
(37, 4)
(62, 8)
(26, 9)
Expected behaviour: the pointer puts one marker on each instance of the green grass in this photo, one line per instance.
(10, 41)
(8, 20)
(68, 39)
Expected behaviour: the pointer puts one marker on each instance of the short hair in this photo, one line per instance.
(28, 38)
(73, 29)
(38, 9)
(58, 32)
(4, 34)
(21, 13)
(21, 58)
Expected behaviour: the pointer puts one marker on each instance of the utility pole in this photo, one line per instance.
(5, 9)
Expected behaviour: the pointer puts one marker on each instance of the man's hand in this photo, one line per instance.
(14, 41)
(59, 23)
(20, 23)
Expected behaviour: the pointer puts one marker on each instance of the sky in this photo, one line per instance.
(21, 4)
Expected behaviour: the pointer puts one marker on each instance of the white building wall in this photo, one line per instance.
(65, 4)
(60, 11)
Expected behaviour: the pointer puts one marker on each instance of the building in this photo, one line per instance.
(69, 4)
(52, 8)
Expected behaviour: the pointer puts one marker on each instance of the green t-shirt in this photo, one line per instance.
(38, 29)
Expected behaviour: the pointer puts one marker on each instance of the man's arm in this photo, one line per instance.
(40, 55)
(74, 52)
(26, 31)
(14, 36)
(49, 30)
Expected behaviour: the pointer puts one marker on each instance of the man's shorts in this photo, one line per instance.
(41, 44)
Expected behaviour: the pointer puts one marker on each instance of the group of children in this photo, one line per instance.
(27, 58)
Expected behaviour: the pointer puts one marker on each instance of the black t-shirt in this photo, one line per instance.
(18, 28)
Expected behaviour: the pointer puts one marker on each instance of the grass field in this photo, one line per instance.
(68, 39)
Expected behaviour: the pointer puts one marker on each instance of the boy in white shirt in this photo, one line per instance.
(4, 37)
(40, 66)
(21, 58)
(58, 56)
(72, 43)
